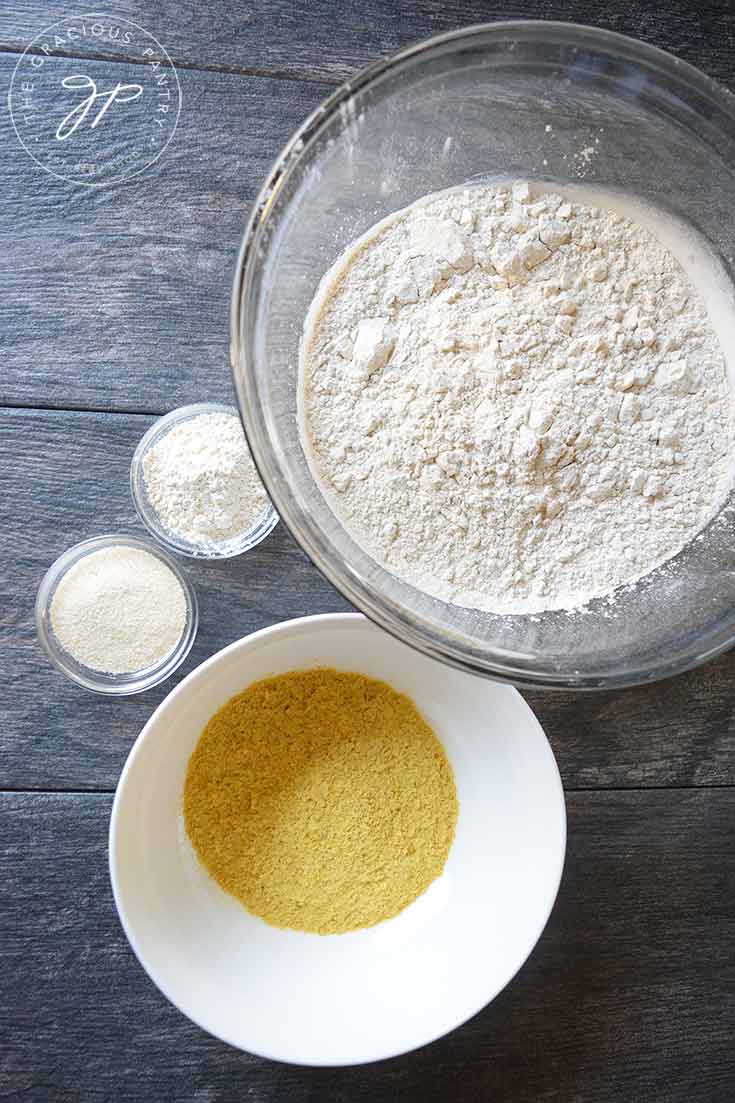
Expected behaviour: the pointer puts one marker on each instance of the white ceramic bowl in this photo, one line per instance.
(358, 997)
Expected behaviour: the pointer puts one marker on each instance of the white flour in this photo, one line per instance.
(202, 482)
(119, 610)
(513, 400)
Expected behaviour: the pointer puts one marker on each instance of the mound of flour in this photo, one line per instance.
(515, 401)
(202, 482)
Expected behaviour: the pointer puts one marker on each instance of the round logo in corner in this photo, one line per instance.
(101, 117)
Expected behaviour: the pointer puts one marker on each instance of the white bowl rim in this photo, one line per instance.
(283, 627)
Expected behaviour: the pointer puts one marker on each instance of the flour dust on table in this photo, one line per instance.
(517, 399)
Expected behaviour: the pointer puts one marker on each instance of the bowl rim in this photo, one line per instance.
(114, 685)
(200, 673)
(401, 625)
(228, 549)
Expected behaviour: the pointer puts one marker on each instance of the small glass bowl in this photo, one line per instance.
(116, 684)
(223, 549)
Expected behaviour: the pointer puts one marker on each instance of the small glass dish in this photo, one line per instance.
(115, 684)
(223, 549)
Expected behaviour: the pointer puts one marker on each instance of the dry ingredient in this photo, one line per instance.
(321, 800)
(513, 400)
(202, 482)
(118, 610)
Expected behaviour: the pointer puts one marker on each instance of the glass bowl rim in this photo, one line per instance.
(397, 622)
(236, 545)
(119, 685)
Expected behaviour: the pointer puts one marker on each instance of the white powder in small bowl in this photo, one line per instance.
(119, 610)
(201, 480)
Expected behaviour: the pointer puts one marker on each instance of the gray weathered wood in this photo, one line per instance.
(118, 297)
(114, 298)
(678, 732)
(320, 40)
(65, 477)
(630, 994)
(117, 300)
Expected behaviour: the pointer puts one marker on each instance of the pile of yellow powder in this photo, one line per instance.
(321, 800)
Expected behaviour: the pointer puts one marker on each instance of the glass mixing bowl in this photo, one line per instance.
(457, 108)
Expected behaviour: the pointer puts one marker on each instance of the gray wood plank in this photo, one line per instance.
(630, 994)
(114, 297)
(118, 297)
(678, 732)
(64, 476)
(324, 40)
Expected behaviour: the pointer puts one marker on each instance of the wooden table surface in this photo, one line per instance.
(114, 310)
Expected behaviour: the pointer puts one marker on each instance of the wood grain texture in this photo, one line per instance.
(630, 995)
(64, 476)
(117, 300)
(677, 732)
(323, 41)
(118, 297)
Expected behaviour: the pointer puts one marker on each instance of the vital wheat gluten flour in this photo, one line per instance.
(119, 610)
(515, 400)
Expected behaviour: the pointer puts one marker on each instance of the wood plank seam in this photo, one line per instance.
(40, 407)
(282, 73)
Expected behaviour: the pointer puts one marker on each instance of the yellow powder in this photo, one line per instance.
(322, 801)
